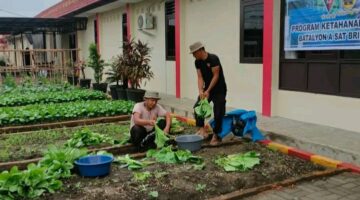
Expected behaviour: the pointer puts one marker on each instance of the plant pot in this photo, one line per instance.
(113, 91)
(121, 93)
(85, 83)
(136, 95)
(100, 87)
(73, 80)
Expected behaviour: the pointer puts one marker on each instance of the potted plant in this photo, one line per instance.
(84, 82)
(116, 74)
(97, 64)
(136, 58)
(113, 76)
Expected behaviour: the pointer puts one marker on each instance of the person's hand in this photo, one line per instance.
(201, 95)
(152, 123)
(206, 94)
(154, 117)
(167, 130)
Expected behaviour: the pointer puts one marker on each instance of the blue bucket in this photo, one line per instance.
(95, 165)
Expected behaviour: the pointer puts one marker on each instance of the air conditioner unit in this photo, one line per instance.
(145, 21)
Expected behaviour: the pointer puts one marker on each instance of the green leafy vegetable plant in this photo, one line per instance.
(85, 137)
(175, 126)
(203, 109)
(154, 194)
(27, 184)
(59, 162)
(160, 137)
(141, 176)
(167, 155)
(20, 98)
(130, 163)
(200, 187)
(33, 114)
(239, 162)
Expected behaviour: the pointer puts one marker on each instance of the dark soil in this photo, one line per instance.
(183, 182)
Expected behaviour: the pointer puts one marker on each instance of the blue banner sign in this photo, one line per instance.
(322, 24)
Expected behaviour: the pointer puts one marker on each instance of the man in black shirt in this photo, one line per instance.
(211, 85)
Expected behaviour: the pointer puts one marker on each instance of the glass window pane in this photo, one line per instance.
(350, 54)
(253, 31)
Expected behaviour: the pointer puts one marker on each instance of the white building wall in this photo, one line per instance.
(85, 38)
(164, 71)
(111, 33)
(220, 34)
(110, 36)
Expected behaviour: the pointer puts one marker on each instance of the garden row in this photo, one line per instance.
(32, 93)
(34, 88)
(33, 114)
(28, 145)
(20, 98)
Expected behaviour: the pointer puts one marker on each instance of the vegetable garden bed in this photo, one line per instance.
(29, 145)
(183, 181)
(21, 98)
(34, 114)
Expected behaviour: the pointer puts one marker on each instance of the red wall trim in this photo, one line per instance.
(98, 32)
(128, 21)
(177, 48)
(267, 57)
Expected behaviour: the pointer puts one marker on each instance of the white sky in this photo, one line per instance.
(24, 8)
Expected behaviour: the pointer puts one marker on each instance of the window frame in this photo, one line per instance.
(167, 18)
(95, 32)
(243, 59)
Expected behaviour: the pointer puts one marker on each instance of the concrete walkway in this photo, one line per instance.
(345, 186)
(323, 140)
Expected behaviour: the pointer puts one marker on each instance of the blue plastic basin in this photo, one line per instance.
(189, 142)
(95, 165)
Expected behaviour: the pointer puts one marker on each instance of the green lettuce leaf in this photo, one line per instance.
(160, 137)
(203, 109)
(239, 162)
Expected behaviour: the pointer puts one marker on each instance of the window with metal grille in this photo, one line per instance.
(170, 29)
(124, 27)
(251, 31)
(95, 32)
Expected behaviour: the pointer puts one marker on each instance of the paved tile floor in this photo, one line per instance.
(343, 186)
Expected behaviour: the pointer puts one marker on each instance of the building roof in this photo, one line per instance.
(67, 8)
(17, 25)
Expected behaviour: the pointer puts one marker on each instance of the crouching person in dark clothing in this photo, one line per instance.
(143, 121)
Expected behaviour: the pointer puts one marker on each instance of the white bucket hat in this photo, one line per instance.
(151, 95)
(196, 46)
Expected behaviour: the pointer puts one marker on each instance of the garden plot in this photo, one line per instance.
(184, 181)
(28, 145)
(36, 114)
(21, 98)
